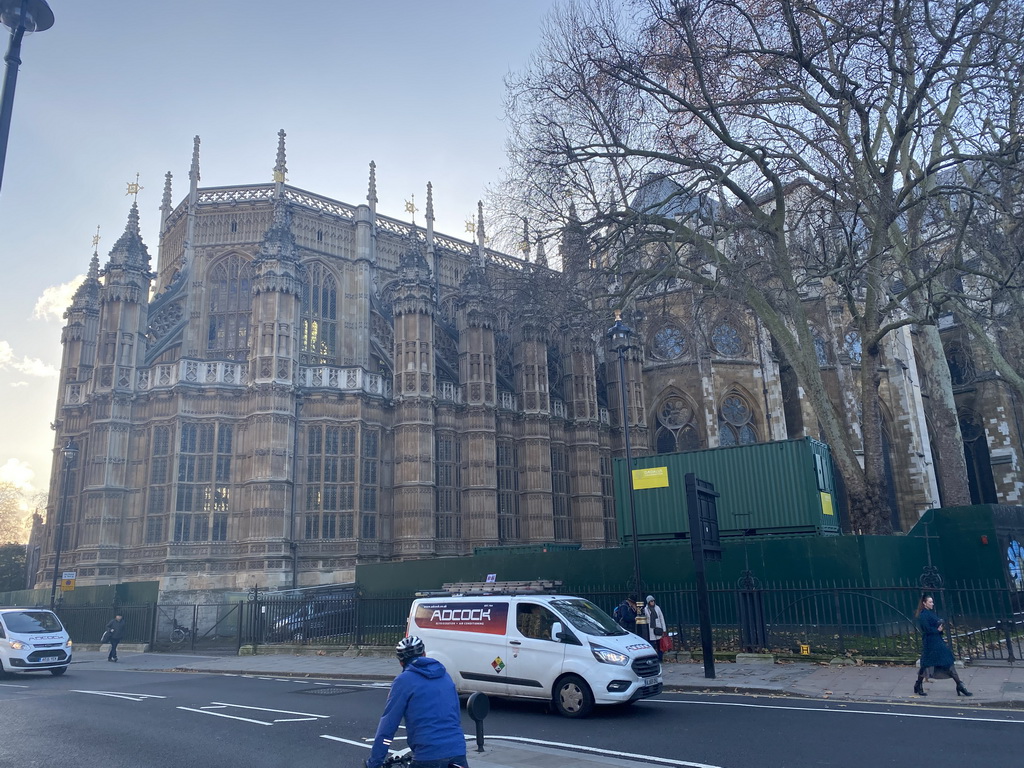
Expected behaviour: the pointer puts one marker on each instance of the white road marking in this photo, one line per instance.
(599, 751)
(960, 718)
(301, 716)
(346, 741)
(12, 685)
(265, 709)
(120, 695)
(221, 714)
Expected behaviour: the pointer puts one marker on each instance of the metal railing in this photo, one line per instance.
(819, 619)
(982, 620)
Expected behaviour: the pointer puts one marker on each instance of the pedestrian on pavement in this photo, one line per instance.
(425, 696)
(656, 626)
(625, 613)
(115, 632)
(936, 659)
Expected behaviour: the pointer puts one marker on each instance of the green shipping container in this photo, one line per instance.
(786, 487)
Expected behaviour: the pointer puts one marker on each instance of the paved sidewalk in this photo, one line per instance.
(993, 686)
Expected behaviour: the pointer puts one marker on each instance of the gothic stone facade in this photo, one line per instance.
(303, 385)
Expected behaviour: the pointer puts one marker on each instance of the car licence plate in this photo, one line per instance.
(50, 658)
(649, 681)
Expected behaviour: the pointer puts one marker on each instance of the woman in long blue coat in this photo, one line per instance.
(934, 651)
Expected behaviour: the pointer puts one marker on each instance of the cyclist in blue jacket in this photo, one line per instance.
(424, 694)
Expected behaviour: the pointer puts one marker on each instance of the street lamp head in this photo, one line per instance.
(70, 450)
(32, 15)
(619, 334)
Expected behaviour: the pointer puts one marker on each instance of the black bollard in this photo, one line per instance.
(478, 706)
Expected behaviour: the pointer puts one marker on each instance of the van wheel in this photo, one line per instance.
(573, 697)
(59, 671)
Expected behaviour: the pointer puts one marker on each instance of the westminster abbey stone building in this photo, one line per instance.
(295, 385)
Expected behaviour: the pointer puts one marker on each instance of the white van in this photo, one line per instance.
(554, 647)
(33, 640)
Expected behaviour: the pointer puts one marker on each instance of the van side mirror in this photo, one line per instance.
(560, 635)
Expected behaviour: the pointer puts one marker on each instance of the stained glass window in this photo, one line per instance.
(726, 340)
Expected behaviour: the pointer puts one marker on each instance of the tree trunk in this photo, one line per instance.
(954, 490)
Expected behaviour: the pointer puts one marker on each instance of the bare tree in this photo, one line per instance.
(13, 515)
(804, 142)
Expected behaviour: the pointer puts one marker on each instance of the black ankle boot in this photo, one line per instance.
(961, 690)
(919, 688)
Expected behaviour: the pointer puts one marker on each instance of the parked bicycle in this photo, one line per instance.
(180, 632)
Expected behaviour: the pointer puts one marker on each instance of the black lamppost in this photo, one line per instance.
(22, 17)
(619, 336)
(70, 451)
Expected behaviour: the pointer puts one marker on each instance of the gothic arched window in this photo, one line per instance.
(735, 422)
(230, 308)
(961, 365)
(979, 461)
(677, 427)
(319, 329)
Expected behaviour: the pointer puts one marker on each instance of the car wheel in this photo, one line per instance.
(298, 636)
(572, 697)
(59, 671)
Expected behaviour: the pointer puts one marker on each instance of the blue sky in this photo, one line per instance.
(119, 87)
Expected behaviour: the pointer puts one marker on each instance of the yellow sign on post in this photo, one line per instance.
(805, 650)
(67, 581)
(652, 477)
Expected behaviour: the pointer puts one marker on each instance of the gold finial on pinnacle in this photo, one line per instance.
(96, 237)
(134, 188)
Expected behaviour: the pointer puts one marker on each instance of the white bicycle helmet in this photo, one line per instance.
(409, 648)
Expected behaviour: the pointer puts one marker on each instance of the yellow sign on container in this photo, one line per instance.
(652, 477)
(826, 504)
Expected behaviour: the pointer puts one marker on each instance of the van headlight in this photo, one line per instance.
(17, 645)
(609, 656)
(70, 643)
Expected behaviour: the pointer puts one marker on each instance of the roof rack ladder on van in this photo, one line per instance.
(539, 587)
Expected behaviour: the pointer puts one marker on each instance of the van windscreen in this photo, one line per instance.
(31, 622)
(587, 617)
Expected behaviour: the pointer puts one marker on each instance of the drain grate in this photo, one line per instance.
(334, 690)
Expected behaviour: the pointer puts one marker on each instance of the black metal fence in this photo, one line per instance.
(982, 620)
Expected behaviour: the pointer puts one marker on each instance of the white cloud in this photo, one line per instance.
(56, 299)
(18, 473)
(30, 366)
(33, 366)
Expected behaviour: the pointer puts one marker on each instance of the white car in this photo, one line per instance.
(33, 640)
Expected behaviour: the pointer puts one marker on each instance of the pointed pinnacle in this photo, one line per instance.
(193, 172)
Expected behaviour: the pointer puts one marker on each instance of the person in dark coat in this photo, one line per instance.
(625, 613)
(115, 632)
(936, 659)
